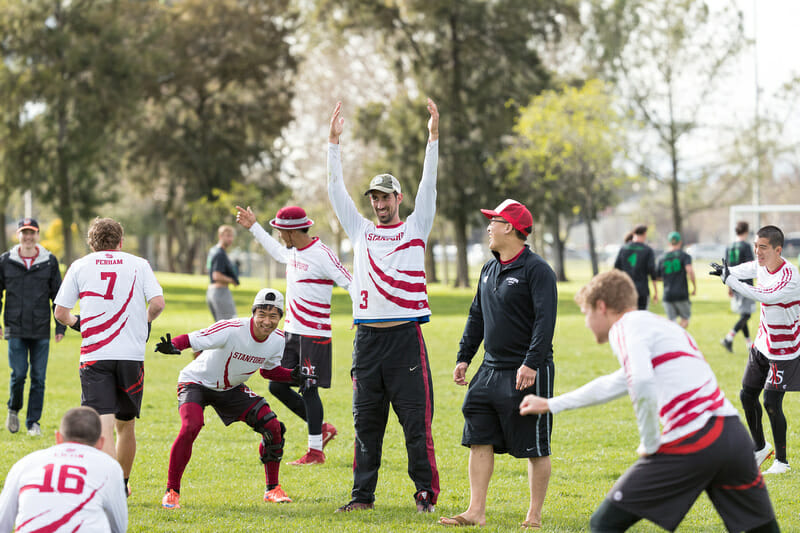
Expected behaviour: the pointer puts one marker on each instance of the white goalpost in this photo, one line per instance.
(736, 211)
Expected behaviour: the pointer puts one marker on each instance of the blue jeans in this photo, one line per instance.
(18, 350)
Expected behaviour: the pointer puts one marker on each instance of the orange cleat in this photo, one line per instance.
(171, 500)
(277, 495)
(312, 457)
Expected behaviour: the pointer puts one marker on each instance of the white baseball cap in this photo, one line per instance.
(268, 297)
(384, 183)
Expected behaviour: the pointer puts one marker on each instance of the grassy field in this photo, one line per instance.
(224, 482)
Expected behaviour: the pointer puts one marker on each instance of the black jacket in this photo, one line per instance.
(513, 313)
(28, 294)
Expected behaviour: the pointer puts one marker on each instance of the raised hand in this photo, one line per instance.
(433, 122)
(337, 124)
(245, 217)
(165, 346)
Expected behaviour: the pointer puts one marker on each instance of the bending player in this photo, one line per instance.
(311, 270)
(232, 351)
(702, 445)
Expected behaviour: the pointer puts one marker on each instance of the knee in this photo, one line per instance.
(276, 389)
(610, 518)
(748, 397)
(772, 405)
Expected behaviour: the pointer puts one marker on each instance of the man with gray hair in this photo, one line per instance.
(68, 486)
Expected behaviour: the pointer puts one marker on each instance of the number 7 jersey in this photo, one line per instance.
(113, 288)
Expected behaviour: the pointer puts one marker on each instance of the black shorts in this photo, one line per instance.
(770, 374)
(717, 459)
(231, 405)
(491, 412)
(315, 352)
(113, 387)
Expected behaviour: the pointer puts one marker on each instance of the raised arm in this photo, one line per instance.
(343, 205)
(425, 202)
(247, 219)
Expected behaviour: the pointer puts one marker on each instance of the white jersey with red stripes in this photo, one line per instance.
(310, 275)
(388, 261)
(113, 288)
(231, 354)
(779, 293)
(66, 488)
(665, 375)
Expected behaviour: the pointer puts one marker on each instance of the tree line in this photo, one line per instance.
(173, 111)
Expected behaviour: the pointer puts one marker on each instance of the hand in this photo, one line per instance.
(721, 270)
(166, 346)
(433, 122)
(460, 373)
(245, 218)
(337, 124)
(525, 377)
(533, 405)
(301, 377)
(77, 324)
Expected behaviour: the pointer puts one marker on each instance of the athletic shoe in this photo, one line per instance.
(777, 468)
(355, 506)
(12, 421)
(328, 433)
(128, 490)
(277, 495)
(171, 500)
(312, 457)
(727, 344)
(763, 454)
(424, 503)
(35, 430)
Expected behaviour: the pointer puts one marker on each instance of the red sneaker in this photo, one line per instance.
(277, 495)
(312, 457)
(328, 433)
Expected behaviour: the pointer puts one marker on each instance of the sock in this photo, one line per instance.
(315, 442)
(748, 342)
(270, 487)
(729, 337)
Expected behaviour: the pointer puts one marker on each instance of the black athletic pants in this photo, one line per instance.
(390, 367)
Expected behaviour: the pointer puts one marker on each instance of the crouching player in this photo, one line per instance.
(702, 445)
(232, 350)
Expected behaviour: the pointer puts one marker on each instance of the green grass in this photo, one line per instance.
(224, 482)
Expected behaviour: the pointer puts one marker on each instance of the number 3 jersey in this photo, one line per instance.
(113, 288)
(388, 261)
(68, 487)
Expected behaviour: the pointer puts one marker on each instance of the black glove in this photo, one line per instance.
(300, 377)
(149, 327)
(77, 325)
(166, 346)
(721, 270)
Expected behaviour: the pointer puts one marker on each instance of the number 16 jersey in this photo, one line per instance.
(113, 288)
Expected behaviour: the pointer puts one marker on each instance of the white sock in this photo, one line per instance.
(315, 442)
(729, 337)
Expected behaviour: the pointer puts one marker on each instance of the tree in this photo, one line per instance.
(470, 57)
(564, 158)
(70, 68)
(667, 58)
(220, 97)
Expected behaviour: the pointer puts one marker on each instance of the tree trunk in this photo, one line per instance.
(462, 267)
(558, 248)
(589, 216)
(430, 262)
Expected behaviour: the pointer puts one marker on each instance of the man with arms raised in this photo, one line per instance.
(114, 289)
(390, 301)
(311, 270)
(701, 446)
(72, 486)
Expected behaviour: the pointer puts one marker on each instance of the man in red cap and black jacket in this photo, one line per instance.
(514, 314)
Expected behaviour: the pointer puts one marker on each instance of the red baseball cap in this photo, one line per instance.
(514, 213)
(291, 217)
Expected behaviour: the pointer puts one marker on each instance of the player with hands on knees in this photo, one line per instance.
(232, 351)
